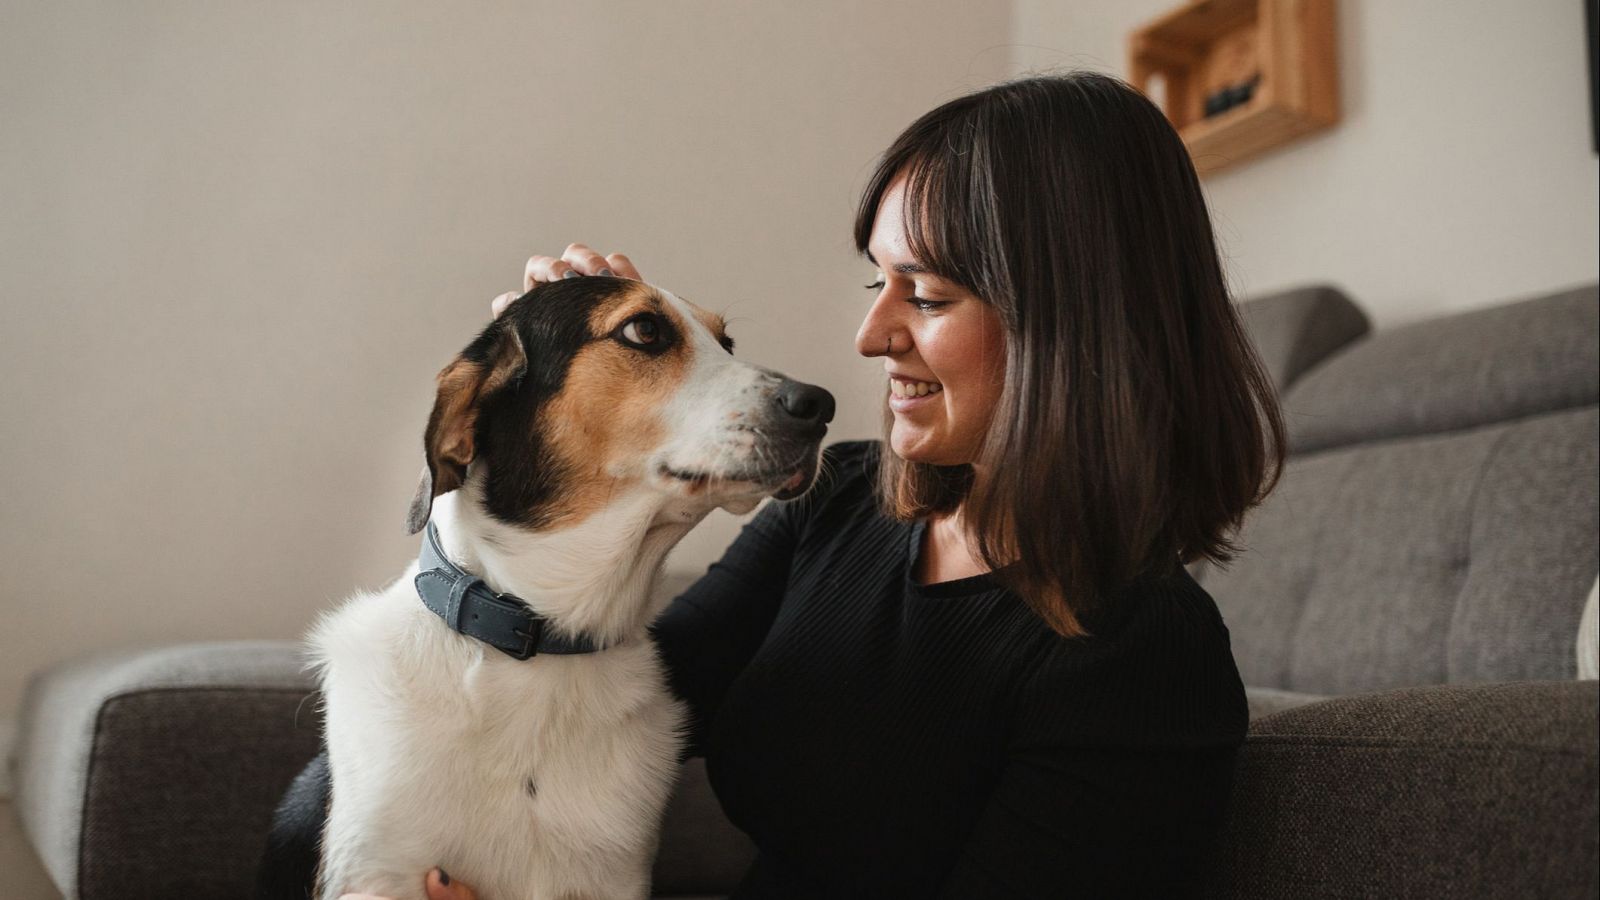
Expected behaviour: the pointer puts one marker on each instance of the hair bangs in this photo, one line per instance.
(936, 160)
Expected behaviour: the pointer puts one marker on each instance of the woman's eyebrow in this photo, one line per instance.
(910, 268)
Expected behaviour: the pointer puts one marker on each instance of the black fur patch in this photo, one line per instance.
(553, 321)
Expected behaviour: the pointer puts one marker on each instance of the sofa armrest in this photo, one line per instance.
(161, 766)
(1450, 791)
(155, 772)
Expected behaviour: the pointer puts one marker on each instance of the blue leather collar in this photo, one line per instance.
(467, 605)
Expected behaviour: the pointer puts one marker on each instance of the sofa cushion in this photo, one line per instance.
(1441, 558)
(1454, 791)
(1453, 372)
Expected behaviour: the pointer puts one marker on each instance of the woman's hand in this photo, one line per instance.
(578, 260)
(440, 887)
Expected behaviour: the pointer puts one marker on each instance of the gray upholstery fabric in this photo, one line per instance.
(1445, 558)
(1453, 372)
(172, 807)
(85, 749)
(1296, 329)
(1266, 701)
(1456, 791)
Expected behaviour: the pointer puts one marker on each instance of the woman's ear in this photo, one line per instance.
(464, 385)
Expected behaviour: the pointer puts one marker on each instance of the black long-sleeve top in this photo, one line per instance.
(880, 738)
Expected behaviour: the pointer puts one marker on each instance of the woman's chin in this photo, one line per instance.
(902, 444)
(914, 446)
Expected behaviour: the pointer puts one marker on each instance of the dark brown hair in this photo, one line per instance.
(1137, 425)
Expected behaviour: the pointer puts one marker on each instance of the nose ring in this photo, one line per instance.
(888, 344)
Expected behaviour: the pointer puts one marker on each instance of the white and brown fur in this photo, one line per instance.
(564, 461)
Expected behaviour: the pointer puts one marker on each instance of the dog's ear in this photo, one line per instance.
(494, 360)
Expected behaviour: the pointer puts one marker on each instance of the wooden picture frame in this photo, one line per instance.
(1240, 76)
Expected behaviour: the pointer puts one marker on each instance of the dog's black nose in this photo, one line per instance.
(806, 401)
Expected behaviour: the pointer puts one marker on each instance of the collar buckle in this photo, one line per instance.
(530, 635)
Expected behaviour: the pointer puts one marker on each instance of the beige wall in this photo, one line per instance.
(1463, 174)
(239, 239)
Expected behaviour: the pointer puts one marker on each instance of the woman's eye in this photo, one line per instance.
(921, 303)
(642, 331)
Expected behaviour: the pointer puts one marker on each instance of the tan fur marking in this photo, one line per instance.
(607, 419)
(455, 415)
(462, 386)
(712, 321)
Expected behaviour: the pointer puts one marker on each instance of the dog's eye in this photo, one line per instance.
(642, 331)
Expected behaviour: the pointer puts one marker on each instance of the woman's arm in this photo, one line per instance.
(708, 635)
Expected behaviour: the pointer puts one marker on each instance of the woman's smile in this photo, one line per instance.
(907, 394)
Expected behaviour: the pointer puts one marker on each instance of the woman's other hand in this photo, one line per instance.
(578, 260)
(440, 887)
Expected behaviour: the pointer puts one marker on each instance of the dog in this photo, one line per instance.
(579, 437)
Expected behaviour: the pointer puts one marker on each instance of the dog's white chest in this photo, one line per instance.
(541, 778)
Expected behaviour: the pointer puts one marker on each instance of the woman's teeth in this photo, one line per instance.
(914, 388)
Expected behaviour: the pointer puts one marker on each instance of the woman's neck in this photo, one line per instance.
(947, 552)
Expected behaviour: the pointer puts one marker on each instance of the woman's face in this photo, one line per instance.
(943, 348)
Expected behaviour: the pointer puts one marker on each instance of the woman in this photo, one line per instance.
(970, 663)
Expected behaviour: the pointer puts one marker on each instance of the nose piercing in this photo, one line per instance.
(888, 344)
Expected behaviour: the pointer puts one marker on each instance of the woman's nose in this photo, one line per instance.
(878, 330)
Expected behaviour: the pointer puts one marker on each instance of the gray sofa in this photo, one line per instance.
(1406, 618)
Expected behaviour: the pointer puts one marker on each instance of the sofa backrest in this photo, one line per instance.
(1437, 518)
(1295, 329)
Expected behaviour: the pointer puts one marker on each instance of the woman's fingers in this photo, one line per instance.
(544, 268)
(623, 266)
(578, 260)
(586, 261)
(439, 886)
(442, 887)
(498, 305)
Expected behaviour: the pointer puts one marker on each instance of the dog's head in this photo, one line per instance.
(590, 386)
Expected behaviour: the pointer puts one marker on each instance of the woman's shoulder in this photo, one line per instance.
(1156, 607)
(1157, 665)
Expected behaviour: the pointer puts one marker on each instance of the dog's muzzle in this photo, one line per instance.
(798, 427)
